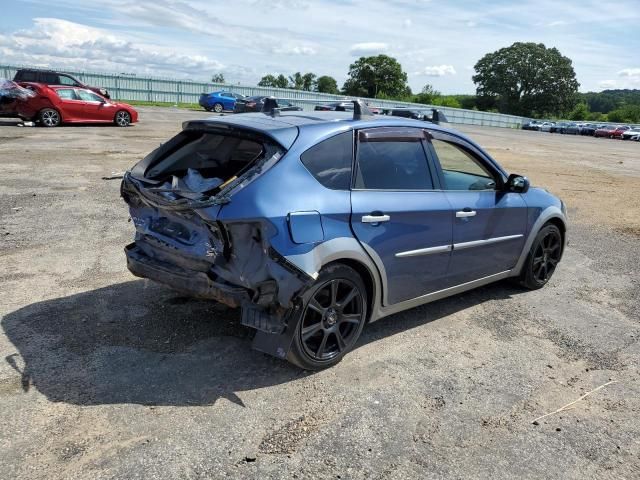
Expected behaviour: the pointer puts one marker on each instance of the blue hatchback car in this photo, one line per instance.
(317, 223)
(219, 101)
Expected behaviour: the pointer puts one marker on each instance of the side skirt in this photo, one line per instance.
(438, 295)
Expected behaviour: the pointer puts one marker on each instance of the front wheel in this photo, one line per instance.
(543, 258)
(333, 315)
(122, 118)
(49, 117)
(217, 107)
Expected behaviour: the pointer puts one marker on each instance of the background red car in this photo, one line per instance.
(604, 131)
(54, 105)
(617, 133)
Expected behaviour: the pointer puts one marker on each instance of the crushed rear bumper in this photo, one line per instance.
(192, 282)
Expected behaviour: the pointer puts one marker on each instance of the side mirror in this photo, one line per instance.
(517, 183)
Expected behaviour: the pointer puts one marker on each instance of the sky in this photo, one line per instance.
(437, 42)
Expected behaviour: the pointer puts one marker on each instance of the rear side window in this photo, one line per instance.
(49, 78)
(26, 76)
(394, 164)
(330, 161)
(67, 94)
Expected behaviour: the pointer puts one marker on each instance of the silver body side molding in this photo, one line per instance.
(424, 251)
(488, 241)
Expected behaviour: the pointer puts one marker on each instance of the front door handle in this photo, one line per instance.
(467, 212)
(375, 218)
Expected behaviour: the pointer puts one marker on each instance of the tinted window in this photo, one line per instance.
(26, 76)
(49, 78)
(461, 170)
(330, 161)
(393, 165)
(88, 96)
(64, 80)
(67, 94)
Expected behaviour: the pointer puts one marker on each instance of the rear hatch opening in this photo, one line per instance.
(201, 167)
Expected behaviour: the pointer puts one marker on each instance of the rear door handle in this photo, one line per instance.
(375, 218)
(466, 213)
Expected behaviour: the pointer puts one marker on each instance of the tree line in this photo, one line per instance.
(526, 79)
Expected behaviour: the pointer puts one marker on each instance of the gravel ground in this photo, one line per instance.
(106, 376)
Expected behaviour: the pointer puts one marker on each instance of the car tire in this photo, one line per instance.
(333, 314)
(49, 117)
(217, 107)
(544, 255)
(122, 118)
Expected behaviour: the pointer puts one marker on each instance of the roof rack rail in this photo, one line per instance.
(270, 107)
(361, 110)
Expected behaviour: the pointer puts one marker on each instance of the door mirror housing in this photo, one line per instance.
(517, 183)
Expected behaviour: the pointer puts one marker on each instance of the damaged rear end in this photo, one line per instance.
(176, 196)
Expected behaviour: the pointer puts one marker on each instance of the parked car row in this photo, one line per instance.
(624, 132)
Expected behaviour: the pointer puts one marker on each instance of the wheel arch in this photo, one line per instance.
(551, 215)
(367, 278)
(51, 107)
(562, 226)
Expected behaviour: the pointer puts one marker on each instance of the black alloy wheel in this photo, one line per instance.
(333, 315)
(543, 258)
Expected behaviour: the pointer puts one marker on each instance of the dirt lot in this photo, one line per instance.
(103, 375)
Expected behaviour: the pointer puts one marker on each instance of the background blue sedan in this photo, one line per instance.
(219, 101)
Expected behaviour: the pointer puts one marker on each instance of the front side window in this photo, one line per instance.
(64, 80)
(89, 96)
(330, 161)
(461, 170)
(395, 162)
(67, 94)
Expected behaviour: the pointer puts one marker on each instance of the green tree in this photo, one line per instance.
(267, 81)
(217, 78)
(527, 79)
(372, 76)
(427, 95)
(296, 81)
(326, 84)
(579, 112)
(447, 101)
(272, 81)
(308, 81)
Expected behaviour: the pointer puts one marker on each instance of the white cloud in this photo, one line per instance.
(407, 23)
(368, 48)
(437, 71)
(605, 84)
(471, 24)
(557, 23)
(630, 72)
(293, 50)
(56, 42)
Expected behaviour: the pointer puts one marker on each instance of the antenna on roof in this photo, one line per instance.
(360, 110)
(270, 107)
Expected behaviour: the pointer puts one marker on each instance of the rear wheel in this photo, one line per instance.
(217, 107)
(333, 315)
(122, 118)
(543, 258)
(49, 117)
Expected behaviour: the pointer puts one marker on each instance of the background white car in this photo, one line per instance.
(546, 126)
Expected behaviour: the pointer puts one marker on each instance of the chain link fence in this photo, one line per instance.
(155, 89)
